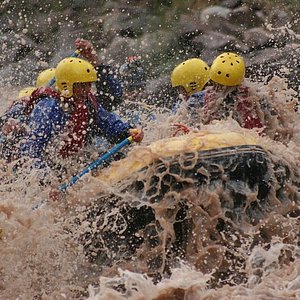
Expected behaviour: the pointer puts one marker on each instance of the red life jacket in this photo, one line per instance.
(78, 127)
(37, 95)
(77, 124)
(245, 110)
(77, 130)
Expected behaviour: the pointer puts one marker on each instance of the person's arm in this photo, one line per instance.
(109, 89)
(87, 51)
(196, 101)
(16, 111)
(45, 121)
(114, 128)
(111, 125)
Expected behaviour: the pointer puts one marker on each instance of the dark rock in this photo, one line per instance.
(257, 37)
(120, 48)
(254, 4)
(214, 40)
(191, 25)
(214, 12)
(231, 3)
(156, 48)
(282, 35)
(244, 18)
(15, 47)
(278, 17)
(20, 73)
(130, 22)
(264, 64)
(217, 19)
(209, 55)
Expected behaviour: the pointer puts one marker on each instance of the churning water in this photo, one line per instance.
(211, 224)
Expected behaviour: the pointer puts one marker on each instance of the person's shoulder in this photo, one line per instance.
(198, 94)
(48, 101)
(196, 98)
(103, 68)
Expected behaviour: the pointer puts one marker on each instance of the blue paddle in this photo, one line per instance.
(96, 163)
(92, 166)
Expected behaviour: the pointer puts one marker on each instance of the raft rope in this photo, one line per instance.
(180, 128)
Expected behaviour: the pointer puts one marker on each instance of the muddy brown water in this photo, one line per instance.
(199, 225)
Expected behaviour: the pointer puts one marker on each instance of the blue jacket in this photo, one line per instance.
(48, 119)
(14, 112)
(195, 101)
(109, 90)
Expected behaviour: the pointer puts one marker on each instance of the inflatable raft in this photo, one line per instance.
(184, 195)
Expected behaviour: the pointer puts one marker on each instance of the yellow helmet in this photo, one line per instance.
(73, 70)
(44, 77)
(228, 69)
(26, 92)
(192, 74)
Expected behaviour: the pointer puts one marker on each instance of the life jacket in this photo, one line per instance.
(77, 129)
(244, 110)
(37, 95)
(77, 126)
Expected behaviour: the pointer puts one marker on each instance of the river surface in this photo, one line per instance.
(85, 246)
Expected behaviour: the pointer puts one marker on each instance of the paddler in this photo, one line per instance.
(189, 79)
(228, 95)
(62, 122)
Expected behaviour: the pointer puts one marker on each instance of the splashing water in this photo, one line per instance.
(206, 223)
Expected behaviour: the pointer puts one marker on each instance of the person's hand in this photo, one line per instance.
(55, 194)
(87, 50)
(137, 134)
(10, 126)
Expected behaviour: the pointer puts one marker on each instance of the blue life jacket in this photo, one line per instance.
(195, 101)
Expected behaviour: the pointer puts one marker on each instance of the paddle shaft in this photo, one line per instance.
(96, 163)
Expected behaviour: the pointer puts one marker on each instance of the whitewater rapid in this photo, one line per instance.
(53, 252)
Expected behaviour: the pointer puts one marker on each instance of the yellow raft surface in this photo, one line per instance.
(143, 156)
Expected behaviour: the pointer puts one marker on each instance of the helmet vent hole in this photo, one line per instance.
(205, 68)
(237, 61)
(71, 60)
(219, 72)
(227, 75)
(223, 61)
(88, 70)
(79, 61)
(231, 64)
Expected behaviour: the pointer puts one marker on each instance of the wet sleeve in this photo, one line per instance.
(176, 107)
(109, 89)
(16, 111)
(196, 101)
(110, 124)
(44, 122)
